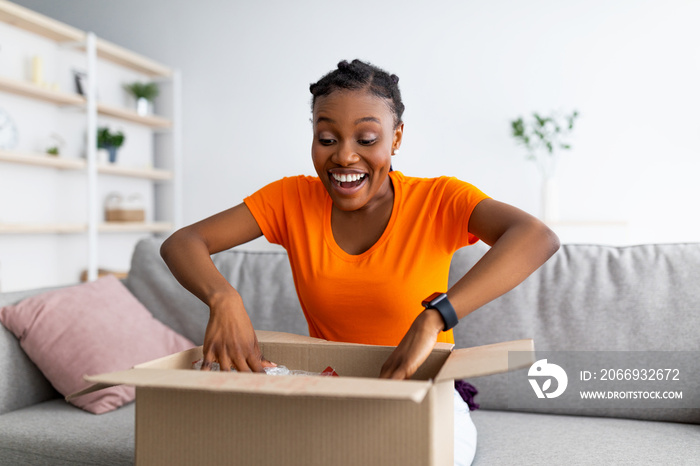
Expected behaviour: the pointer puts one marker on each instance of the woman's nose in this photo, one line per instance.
(345, 155)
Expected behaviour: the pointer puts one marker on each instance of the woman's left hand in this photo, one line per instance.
(415, 346)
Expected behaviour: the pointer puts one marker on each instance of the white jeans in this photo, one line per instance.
(465, 433)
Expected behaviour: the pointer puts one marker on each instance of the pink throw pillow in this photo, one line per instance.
(90, 329)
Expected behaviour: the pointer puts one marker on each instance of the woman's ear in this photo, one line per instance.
(398, 135)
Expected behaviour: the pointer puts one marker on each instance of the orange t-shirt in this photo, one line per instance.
(373, 297)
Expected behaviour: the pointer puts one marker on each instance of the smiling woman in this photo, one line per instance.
(369, 248)
(354, 138)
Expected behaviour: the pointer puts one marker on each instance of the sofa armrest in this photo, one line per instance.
(22, 383)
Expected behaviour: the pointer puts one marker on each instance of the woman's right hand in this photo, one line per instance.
(230, 338)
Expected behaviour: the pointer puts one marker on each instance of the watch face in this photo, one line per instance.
(8, 131)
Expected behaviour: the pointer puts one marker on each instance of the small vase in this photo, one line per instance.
(112, 151)
(143, 106)
(550, 199)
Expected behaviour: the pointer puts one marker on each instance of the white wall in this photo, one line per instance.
(630, 67)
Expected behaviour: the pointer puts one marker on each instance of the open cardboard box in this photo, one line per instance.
(184, 416)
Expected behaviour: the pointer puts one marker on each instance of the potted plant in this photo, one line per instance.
(54, 144)
(145, 94)
(544, 137)
(110, 141)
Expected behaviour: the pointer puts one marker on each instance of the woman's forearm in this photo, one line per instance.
(518, 252)
(187, 256)
(187, 252)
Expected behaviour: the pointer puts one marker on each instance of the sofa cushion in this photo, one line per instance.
(90, 328)
(22, 383)
(591, 297)
(264, 280)
(54, 433)
(522, 438)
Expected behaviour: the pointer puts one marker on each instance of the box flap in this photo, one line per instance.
(486, 360)
(90, 389)
(183, 359)
(241, 382)
(173, 361)
(443, 346)
(272, 337)
(186, 358)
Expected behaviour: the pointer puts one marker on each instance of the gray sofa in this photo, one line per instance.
(586, 298)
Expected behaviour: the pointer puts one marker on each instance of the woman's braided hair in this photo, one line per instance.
(361, 75)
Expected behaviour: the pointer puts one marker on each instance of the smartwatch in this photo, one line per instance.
(440, 303)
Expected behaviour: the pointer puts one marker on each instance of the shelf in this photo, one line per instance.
(148, 173)
(38, 228)
(135, 227)
(41, 160)
(31, 21)
(132, 60)
(29, 30)
(29, 89)
(153, 121)
(51, 161)
(36, 23)
(66, 228)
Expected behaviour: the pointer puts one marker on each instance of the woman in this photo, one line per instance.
(369, 248)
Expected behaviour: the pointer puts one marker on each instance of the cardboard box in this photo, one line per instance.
(184, 416)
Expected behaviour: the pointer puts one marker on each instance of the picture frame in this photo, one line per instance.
(81, 82)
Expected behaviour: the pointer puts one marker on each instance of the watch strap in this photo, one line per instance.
(440, 303)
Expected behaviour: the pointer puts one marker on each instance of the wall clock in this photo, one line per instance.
(8, 131)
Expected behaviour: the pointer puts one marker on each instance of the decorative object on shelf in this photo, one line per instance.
(544, 138)
(38, 74)
(110, 141)
(144, 93)
(8, 131)
(38, 70)
(118, 209)
(80, 79)
(54, 144)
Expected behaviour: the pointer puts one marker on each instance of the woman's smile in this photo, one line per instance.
(347, 183)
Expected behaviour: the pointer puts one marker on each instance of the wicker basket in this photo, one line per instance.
(118, 209)
(124, 215)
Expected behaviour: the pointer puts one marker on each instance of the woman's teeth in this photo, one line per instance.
(342, 178)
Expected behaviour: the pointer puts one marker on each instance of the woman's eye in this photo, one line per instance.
(326, 142)
(366, 142)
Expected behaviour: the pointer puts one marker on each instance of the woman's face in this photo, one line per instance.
(354, 139)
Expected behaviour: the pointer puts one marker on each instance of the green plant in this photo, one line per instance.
(53, 150)
(148, 91)
(543, 137)
(106, 139)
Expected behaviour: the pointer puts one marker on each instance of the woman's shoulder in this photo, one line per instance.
(427, 183)
(302, 186)
(295, 181)
(302, 182)
(438, 190)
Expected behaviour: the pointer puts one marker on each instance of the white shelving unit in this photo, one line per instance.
(164, 180)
